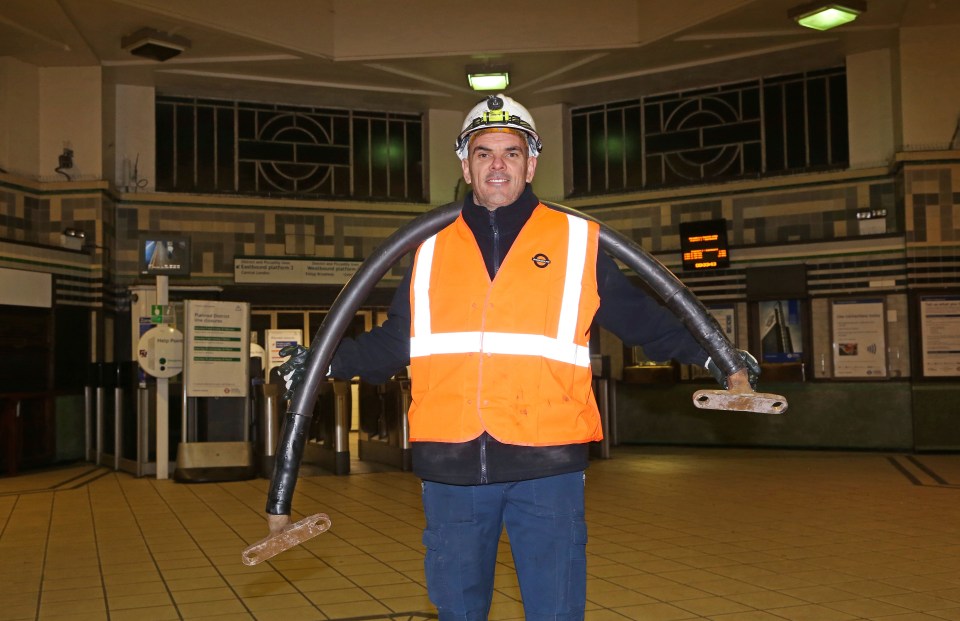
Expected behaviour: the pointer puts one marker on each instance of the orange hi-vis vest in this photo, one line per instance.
(508, 356)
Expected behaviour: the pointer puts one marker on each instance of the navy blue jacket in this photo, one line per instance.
(625, 310)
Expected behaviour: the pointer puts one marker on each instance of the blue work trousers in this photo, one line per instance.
(548, 537)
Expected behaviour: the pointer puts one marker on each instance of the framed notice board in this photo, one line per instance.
(859, 340)
(940, 335)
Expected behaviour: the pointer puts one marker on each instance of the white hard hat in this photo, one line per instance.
(498, 111)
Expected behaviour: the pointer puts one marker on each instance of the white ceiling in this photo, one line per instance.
(385, 54)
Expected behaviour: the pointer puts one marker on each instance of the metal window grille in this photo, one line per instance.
(763, 127)
(249, 148)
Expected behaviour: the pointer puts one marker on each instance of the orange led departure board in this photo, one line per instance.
(704, 244)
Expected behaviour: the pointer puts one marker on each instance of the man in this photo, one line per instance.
(494, 320)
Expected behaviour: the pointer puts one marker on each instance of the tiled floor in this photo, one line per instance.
(732, 535)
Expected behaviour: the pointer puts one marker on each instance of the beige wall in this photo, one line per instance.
(905, 98)
(70, 116)
(443, 126)
(384, 28)
(135, 138)
(311, 33)
(930, 77)
(871, 104)
(19, 118)
(550, 125)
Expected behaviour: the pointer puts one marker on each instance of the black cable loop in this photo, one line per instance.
(296, 426)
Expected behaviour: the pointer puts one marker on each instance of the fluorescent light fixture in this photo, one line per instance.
(495, 81)
(827, 15)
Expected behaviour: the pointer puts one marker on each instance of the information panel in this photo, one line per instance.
(940, 332)
(160, 351)
(283, 270)
(165, 255)
(704, 244)
(859, 338)
(726, 316)
(217, 348)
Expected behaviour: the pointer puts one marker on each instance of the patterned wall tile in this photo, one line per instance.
(774, 224)
(930, 203)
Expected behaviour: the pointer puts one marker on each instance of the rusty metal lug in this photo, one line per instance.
(740, 401)
(284, 536)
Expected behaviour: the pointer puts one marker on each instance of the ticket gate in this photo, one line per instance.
(328, 442)
(384, 430)
(269, 407)
(120, 419)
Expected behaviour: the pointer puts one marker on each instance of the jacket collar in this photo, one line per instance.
(509, 218)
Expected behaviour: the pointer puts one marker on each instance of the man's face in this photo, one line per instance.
(498, 168)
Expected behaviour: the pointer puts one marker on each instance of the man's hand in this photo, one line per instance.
(752, 370)
(293, 368)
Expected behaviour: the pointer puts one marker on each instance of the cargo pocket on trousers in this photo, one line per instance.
(575, 597)
(578, 550)
(433, 567)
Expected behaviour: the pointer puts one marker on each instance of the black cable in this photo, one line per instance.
(296, 424)
(677, 297)
(297, 420)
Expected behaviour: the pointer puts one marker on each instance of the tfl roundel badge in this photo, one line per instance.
(540, 260)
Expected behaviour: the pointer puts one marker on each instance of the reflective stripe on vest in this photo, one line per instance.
(563, 348)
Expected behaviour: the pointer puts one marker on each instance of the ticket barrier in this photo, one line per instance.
(605, 391)
(90, 414)
(328, 442)
(120, 419)
(269, 407)
(384, 430)
(106, 411)
(134, 422)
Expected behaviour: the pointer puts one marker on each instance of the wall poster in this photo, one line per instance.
(277, 340)
(940, 335)
(781, 331)
(859, 338)
(726, 316)
(217, 356)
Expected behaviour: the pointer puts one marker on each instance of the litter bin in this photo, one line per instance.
(268, 427)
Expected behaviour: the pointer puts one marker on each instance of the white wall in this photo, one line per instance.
(70, 115)
(443, 127)
(134, 138)
(386, 28)
(930, 78)
(549, 182)
(870, 105)
(19, 117)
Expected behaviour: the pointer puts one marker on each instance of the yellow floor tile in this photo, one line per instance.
(202, 610)
(675, 534)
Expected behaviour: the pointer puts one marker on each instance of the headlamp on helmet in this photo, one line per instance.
(498, 111)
